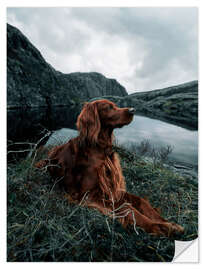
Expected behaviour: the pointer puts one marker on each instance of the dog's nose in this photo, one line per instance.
(131, 110)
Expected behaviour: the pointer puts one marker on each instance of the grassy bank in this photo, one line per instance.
(44, 226)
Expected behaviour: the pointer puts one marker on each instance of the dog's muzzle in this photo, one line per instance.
(131, 110)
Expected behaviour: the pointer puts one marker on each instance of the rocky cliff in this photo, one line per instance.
(177, 104)
(40, 97)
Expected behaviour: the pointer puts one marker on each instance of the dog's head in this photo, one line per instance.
(102, 114)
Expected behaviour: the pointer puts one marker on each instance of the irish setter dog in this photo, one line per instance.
(90, 170)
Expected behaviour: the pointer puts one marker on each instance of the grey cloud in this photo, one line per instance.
(56, 28)
(145, 48)
(166, 34)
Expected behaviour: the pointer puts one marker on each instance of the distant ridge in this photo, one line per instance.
(176, 104)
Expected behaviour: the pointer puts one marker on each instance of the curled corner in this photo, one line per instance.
(186, 251)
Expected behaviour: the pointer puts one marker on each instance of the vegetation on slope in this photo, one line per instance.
(44, 226)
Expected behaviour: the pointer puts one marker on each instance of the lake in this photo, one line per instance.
(159, 133)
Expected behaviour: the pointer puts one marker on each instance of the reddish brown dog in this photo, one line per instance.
(90, 170)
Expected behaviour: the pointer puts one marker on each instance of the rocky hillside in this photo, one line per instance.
(177, 104)
(39, 96)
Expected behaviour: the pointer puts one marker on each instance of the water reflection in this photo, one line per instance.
(183, 141)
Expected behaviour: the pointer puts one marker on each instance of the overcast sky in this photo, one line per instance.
(142, 48)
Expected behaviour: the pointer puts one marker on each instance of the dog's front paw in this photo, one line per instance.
(167, 229)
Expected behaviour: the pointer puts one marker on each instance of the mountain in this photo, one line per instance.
(38, 96)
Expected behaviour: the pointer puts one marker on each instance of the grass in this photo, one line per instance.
(44, 226)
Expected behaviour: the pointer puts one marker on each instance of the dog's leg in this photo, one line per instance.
(159, 223)
(144, 207)
(128, 215)
(137, 212)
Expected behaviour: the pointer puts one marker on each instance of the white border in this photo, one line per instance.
(75, 3)
(100, 3)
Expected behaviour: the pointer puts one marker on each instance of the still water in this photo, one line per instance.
(159, 133)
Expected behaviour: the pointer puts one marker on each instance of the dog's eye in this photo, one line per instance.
(107, 108)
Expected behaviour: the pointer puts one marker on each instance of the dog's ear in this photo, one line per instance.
(88, 123)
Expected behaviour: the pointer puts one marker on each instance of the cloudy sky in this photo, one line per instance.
(142, 48)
